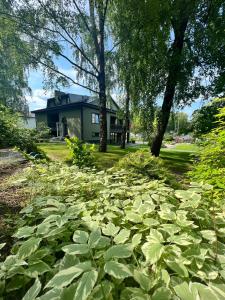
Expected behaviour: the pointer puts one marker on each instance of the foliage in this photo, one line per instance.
(204, 119)
(81, 152)
(172, 41)
(13, 80)
(143, 163)
(11, 135)
(179, 123)
(43, 131)
(89, 235)
(211, 165)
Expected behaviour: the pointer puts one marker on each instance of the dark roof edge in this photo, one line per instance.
(68, 106)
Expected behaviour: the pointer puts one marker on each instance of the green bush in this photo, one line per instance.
(143, 163)
(11, 135)
(81, 152)
(93, 236)
(210, 167)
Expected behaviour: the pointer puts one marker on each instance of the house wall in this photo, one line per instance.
(88, 128)
(41, 118)
(73, 118)
(27, 122)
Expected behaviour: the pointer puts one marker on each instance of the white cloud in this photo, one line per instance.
(38, 98)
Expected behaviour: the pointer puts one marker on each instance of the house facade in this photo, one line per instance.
(77, 115)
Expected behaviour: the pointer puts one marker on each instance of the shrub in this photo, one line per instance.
(43, 132)
(81, 152)
(142, 162)
(210, 167)
(13, 136)
(93, 236)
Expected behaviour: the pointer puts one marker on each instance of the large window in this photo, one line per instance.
(95, 118)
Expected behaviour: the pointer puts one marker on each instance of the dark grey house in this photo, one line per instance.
(76, 115)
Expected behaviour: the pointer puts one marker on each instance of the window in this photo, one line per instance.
(95, 118)
(95, 134)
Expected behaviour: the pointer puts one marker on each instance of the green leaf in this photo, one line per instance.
(28, 247)
(162, 293)
(165, 277)
(117, 270)
(133, 217)
(171, 229)
(144, 280)
(152, 251)
(136, 239)
(80, 237)
(86, 285)
(33, 291)
(179, 268)
(24, 232)
(73, 249)
(182, 239)
(184, 292)
(2, 245)
(94, 238)
(68, 261)
(209, 235)
(122, 236)
(150, 222)
(204, 291)
(66, 276)
(110, 229)
(103, 242)
(118, 251)
(155, 236)
(102, 291)
(68, 292)
(53, 294)
(37, 268)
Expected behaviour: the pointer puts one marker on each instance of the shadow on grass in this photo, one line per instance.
(177, 161)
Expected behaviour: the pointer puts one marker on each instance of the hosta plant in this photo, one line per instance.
(89, 235)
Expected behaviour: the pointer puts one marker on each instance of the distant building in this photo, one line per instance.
(76, 115)
(27, 121)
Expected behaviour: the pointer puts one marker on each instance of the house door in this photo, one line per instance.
(65, 127)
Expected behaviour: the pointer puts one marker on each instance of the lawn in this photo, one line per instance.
(178, 159)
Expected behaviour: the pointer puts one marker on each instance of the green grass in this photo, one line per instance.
(178, 159)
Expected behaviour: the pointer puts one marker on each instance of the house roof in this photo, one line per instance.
(69, 106)
(75, 101)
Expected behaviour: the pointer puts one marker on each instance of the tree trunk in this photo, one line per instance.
(179, 26)
(101, 78)
(103, 119)
(126, 119)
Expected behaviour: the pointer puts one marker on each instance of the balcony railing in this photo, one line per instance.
(116, 128)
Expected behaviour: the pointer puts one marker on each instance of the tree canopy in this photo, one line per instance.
(13, 79)
(172, 47)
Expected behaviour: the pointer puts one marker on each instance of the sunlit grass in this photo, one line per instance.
(178, 159)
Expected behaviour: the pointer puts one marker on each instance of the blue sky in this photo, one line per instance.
(39, 96)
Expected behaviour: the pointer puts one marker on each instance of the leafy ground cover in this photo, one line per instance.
(88, 235)
(177, 159)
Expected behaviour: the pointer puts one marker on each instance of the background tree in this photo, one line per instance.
(13, 79)
(179, 123)
(204, 119)
(172, 49)
(74, 31)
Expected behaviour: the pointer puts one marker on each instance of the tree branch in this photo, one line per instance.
(74, 43)
(65, 76)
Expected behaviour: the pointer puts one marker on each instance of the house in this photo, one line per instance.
(77, 115)
(27, 121)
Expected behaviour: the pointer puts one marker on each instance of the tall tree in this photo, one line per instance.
(13, 79)
(173, 50)
(74, 31)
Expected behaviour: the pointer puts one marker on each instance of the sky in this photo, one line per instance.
(39, 96)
